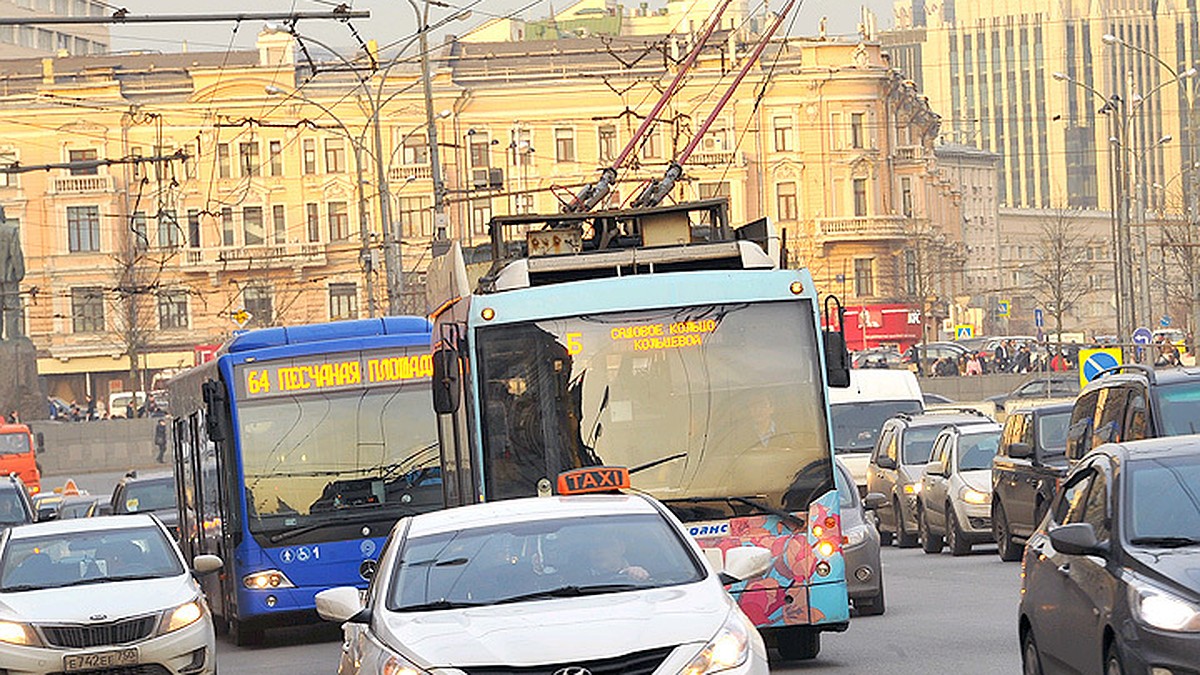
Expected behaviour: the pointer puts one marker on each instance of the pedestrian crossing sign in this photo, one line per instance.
(964, 331)
(1004, 308)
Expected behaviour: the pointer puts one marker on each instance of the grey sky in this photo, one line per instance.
(393, 20)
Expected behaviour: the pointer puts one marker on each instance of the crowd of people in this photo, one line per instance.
(88, 410)
(1011, 356)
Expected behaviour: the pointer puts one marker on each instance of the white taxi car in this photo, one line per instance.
(108, 594)
(564, 584)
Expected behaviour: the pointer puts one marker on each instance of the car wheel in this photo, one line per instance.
(1005, 546)
(1112, 660)
(799, 644)
(930, 542)
(245, 633)
(954, 537)
(873, 606)
(1031, 661)
(904, 538)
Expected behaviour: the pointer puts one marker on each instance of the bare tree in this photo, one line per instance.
(1060, 272)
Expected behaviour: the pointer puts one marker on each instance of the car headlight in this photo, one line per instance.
(912, 489)
(855, 535)
(975, 496)
(182, 616)
(267, 580)
(728, 649)
(18, 634)
(398, 665)
(1159, 609)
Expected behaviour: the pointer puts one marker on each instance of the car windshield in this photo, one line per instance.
(1052, 432)
(14, 444)
(1179, 408)
(1162, 498)
(97, 556)
(150, 495)
(975, 451)
(12, 511)
(855, 425)
(918, 444)
(540, 559)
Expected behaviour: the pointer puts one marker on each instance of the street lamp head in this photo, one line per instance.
(1060, 76)
(444, 114)
(1167, 138)
(1109, 39)
(272, 90)
(1190, 72)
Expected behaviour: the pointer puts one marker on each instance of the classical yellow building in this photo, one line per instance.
(203, 192)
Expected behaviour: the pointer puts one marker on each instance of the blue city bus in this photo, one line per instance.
(666, 342)
(296, 450)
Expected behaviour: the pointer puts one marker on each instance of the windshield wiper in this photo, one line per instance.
(654, 463)
(1165, 541)
(570, 592)
(439, 605)
(354, 520)
(752, 503)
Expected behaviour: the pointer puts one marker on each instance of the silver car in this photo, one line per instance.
(864, 573)
(954, 505)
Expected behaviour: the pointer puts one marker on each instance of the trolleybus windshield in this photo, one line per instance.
(704, 401)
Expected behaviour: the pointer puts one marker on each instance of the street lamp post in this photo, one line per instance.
(435, 165)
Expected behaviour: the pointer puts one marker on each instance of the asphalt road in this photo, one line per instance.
(944, 614)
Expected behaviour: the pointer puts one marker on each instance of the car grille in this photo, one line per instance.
(99, 635)
(638, 663)
(149, 669)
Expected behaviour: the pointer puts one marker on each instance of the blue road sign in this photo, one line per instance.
(1142, 336)
(1165, 321)
(1039, 318)
(1097, 362)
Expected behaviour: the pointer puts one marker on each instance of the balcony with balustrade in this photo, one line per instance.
(866, 228)
(266, 256)
(79, 185)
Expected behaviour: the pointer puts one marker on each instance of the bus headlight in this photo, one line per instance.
(267, 580)
(728, 649)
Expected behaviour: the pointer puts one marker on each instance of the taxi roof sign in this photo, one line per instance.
(70, 489)
(593, 479)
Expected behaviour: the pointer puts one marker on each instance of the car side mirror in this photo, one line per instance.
(1076, 539)
(885, 462)
(342, 604)
(446, 389)
(1020, 451)
(745, 562)
(204, 564)
(935, 469)
(875, 500)
(40, 440)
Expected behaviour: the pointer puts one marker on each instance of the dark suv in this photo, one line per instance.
(1026, 471)
(15, 507)
(148, 492)
(1131, 403)
(901, 452)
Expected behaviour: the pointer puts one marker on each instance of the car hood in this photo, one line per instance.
(1180, 567)
(115, 600)
(979, 480)
(562, 630)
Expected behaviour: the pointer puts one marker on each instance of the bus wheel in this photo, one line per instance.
(245, 633)
(799, 643)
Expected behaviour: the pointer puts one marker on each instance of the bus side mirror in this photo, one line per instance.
(40, 440)
(446, 389)
(215, 404)
(837, 359)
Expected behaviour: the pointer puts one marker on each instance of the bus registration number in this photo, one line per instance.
(111, 659)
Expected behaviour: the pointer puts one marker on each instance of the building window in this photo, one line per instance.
(257, 301)
(252, 226)
(714, 190)
(652, 145)
(911, 287)
(608, 142)
(136, 154)
(89, 155)
(785, 194)
(417, 216)
(343, 301)
(223, 170)
(275, 150)
(8, 158)
(193, 217)
(525, 203)
(190, 162)
(248, 158)
(564, 145)
(906, 196)
(860, 197)
(83, 229)
(522, 144)
(339, 221)
(309, 156)
(172, 310)
(783, 134)
(137, 223)
(279, 223)
(335, 155)
(864, 277)
(481, 215)
(227, 226)
(480, 150)
(87, 310)
(168, 228)
(415, 149)
(857, 131)
(312, 215)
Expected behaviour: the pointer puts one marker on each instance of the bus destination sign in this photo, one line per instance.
(334, 372)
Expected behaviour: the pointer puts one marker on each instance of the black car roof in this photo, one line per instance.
(139, 477)
(1045, 408)
(1161, 377)
(1154, 448)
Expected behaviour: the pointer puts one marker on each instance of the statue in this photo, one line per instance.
(12, 271)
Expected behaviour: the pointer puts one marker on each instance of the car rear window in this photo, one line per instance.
(1179, 408)
(1052, 432)
(150, 495)
(12, 508)
(918, 444)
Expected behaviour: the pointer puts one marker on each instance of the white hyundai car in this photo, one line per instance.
(109, 594)
(599, 583)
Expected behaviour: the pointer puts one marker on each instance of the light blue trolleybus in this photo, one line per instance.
(296, 450)
(667, 342)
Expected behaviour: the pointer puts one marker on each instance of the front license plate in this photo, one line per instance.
(119, 657)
